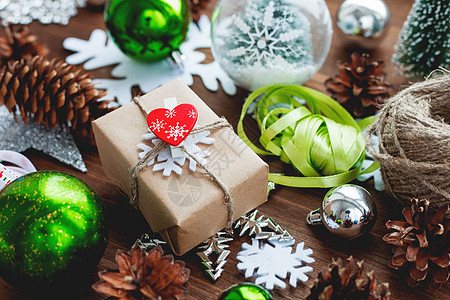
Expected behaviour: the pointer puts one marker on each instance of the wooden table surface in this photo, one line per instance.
(287, 206)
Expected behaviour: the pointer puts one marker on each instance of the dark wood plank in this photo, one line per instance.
(287, 206)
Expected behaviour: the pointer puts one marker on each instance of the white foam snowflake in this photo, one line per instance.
(157, 125)
(99, 51)
(176, 131)
(165, 161)
(271, 263)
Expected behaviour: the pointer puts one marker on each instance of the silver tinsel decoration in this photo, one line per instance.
(258, 227)
(215, 244)
(46, 11)
(58, 143)
(147, 243)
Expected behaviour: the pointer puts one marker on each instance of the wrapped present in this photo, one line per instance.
(176, 196)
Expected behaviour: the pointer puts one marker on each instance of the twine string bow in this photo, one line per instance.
(161, 146)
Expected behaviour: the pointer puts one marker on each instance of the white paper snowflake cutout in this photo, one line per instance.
(99, 51)
(176, 131)
(168, 164)
(270, 263)
(157, 125)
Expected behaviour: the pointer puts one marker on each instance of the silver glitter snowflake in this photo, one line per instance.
(46, 11)
(167, 163)
(59, 144)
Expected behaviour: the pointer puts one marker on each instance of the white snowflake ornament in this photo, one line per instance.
(99, 51)
(168, 164)
(271, 263)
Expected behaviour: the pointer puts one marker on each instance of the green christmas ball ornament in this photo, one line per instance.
(147, 30)
(52, 229)
(245, 291)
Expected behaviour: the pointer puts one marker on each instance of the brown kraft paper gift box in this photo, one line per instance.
(185, 209)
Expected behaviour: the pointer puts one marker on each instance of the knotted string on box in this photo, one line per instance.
(161, 146)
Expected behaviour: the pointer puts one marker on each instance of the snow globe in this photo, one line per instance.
(264, 42)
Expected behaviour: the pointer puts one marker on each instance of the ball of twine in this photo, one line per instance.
(414, 142)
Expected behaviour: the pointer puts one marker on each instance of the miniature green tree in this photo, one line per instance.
(424, 42)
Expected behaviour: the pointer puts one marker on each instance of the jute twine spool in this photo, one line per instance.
(414, 135)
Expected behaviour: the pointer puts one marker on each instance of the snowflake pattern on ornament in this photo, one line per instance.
(176, 131)
(270, 263)
(192, 114)
(157, 125)
(263, 43)
(166, 163)
(269, 42)
(170, 114)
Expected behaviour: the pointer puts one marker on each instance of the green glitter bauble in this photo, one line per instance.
(52, 228)
(147, 30)
(245, 291)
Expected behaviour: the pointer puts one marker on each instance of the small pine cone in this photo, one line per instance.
(337, 281)
(53, 93)
(145, 275)
(19, 43)
(197, 8)
(422, 243)
(360, 86)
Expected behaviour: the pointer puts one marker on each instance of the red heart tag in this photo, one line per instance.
(173, 126)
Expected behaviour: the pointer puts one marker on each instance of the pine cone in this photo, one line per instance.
(360, 86)
(53, 93)
(197, 8)
(337, 281)
(144, 275)
(19, 43)
(422, 243)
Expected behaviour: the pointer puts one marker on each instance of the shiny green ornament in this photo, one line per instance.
(245, 291)
(147, 30)
(52, 229)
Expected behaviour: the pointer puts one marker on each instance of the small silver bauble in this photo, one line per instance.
(347, 211)
(363, 23)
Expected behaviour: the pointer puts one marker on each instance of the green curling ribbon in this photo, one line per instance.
(321, 139)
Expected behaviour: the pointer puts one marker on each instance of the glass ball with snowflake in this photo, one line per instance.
(264, 42)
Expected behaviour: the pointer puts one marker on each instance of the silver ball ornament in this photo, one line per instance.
(348, 211)
(363, 23)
